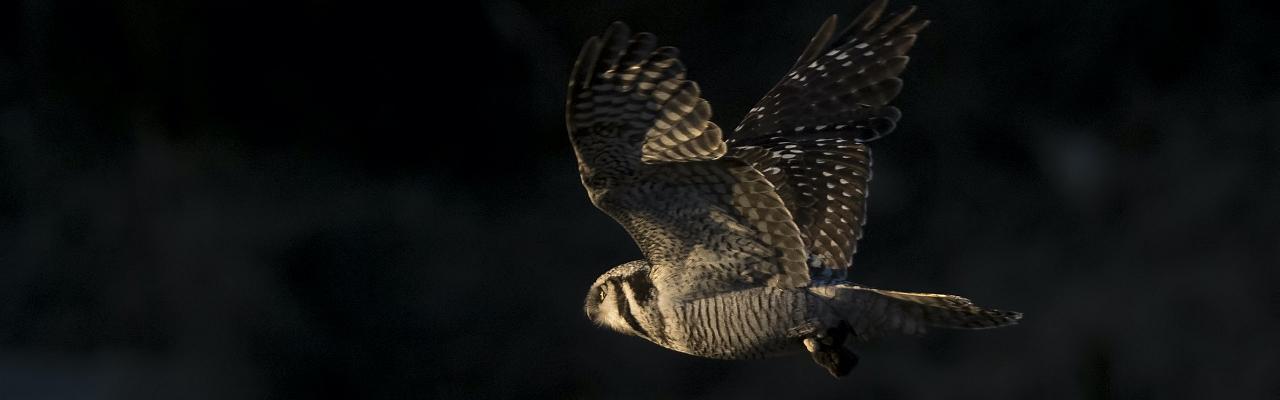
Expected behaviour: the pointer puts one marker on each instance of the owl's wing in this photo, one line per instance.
(840, 85)
(807, 134)
(650, 158)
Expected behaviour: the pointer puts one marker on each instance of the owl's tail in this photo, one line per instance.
(874, 312)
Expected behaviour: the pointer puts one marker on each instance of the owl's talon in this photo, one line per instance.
(812, 345)
(837, 360)
(826, 347)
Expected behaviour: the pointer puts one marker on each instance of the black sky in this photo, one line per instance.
(342, 199)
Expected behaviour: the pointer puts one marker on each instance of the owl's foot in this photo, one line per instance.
(827, 349)
(838, 362)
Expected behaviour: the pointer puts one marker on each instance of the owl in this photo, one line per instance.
(747, 236)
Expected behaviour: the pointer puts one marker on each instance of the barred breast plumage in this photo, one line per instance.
(752, 323)
(747, 237)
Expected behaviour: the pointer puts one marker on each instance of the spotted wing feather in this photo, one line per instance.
(625, 87)
(807, 134)
(743, 231)
(824, 183)
(844, 87)
(651, 158)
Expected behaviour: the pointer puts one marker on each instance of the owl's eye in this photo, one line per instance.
(602, 292)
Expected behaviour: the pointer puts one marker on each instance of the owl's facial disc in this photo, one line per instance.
(617, 295)
(603, 306)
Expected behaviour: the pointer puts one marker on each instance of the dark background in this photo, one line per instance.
(249, 199)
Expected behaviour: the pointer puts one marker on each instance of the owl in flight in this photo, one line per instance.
(747, 236)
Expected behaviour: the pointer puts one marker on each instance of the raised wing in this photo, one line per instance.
(840, 85)
(807, 134)
(629, 104)
(650, 158)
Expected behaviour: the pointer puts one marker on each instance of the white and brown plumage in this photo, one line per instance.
(746, 241)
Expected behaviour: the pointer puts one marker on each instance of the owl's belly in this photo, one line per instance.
(752, 323)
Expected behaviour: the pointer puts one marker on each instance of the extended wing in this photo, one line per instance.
(650, 158)
(806, 135)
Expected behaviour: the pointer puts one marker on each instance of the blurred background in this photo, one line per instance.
(321, 199)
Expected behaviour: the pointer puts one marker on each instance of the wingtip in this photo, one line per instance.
(591, 42)
(581, 73)
(617, 28)
(909, 11)
(868, 17)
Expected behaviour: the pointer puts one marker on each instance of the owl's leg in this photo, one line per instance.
(826, 347)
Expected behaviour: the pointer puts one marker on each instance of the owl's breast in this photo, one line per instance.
(751, 323)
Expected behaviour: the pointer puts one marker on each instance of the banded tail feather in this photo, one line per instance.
(874, 313)
(955, 312)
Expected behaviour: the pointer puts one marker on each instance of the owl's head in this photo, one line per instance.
(618, 294)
